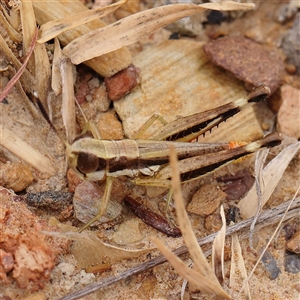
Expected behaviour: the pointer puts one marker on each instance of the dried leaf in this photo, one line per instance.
(237, 262)
(10, 141)
(134, 27)
(68, 98)
(218, 249)
(91, 250)
(56, 76)
(271, 175)
(52, 29)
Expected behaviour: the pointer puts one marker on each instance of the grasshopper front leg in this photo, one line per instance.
(103, 205)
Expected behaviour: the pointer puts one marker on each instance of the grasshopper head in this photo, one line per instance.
(86, 164)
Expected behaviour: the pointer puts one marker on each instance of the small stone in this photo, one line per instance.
(213, 222)
(73, 180)
(128, 233)
(121, 83)
(15, 176)
(247, 60)
(291, 43)
(288, 115)
(100, 96)
(87, 201)
(94, 83)
(110, 127)
(206, 200)
(237, 185)
(294, 243)
(270, 264)
(265, 126)
(291, 69)
(292, 262)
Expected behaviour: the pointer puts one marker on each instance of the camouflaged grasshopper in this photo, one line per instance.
(146, 162)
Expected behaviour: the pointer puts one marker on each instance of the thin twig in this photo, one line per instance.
(268, 217)
(261, 157)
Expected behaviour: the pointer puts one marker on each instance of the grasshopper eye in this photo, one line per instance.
(87, 163)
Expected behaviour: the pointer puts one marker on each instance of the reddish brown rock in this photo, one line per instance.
(294, 243)
(121, 83)
(247, 60)
(73, 181)
(110, 127)
(206, 200)
(289, 113)
(26, 255)
(15, 176)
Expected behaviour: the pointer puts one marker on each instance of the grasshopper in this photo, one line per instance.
(146, 161)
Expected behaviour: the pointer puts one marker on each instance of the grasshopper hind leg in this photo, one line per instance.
(148, 124)
(103, 205)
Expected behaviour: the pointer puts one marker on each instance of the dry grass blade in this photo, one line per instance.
(237, 262)
(39, 64)
(207, 282)
(271, 175)
(56, 76)
(28, 28)
(68, 98)
(218, 249)
(134, 27)
(11, 142)
(52, 29)
(17, 76)
(260, 159)
(199, 280)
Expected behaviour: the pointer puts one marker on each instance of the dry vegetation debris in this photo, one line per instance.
(155, 75)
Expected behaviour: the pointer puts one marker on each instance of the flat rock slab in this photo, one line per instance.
(247, 60)
(177, 79)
